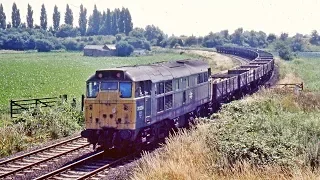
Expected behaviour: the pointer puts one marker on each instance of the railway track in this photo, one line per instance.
(25, 164)
(91, 167)
(243, 61)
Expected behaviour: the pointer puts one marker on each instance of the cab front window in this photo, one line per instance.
(125, 89)
(92, 89)
(109, 86)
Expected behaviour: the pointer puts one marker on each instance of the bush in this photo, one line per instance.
(138, 43)
(124, 48)
(284, 51)
(43, 45)
(67, 31)
(71, 45)
(275, 128)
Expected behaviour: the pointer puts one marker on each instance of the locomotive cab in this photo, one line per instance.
(109, 108)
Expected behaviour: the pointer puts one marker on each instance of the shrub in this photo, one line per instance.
(43, 45)
(71, 45)
(124, 48)
(284, 51)
(67, 31)
(138, 43)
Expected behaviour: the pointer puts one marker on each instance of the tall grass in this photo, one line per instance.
(273, 134)
(38, 126)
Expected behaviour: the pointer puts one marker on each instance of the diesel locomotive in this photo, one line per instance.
(128, 107)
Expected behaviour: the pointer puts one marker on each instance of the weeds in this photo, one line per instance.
(38, 126)
(273, 134)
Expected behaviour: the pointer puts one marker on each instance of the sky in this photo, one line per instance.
(195, 17)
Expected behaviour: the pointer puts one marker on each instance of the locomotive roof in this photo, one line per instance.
(162, 71)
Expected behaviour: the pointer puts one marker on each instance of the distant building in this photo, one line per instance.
(100, 50)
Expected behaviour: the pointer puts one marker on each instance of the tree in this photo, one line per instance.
(103, 24)
(43, 18)
(284, 36)
(123, 48)
(94, 22)
(2, 18)
(271, 38)
(67, 30)
(314, 38)
(237, 37)
(68, 18)
(56, 18)
(137, 32)
(30, 17)
(213, 40)
(225, 34)
(128, 26)
(297, 43)
(83, 20)
(114, 26)
(154, 35)
(284, 51)
(15, 16)
(108, 22)
(121, 19)
(9, 25)
(191, 40)
(43, 45)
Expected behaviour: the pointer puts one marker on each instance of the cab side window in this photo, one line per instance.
(125, 89)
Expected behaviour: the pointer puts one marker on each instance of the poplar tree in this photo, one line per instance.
(108, 22)
(114, 26)
(94, 21)
(15, 16)
(2, 18)
(83, 20)
(121, 20)
(68, 18)
(103, 24)
(30, 17)
(56, 18)
(128, 22)
(43, 18)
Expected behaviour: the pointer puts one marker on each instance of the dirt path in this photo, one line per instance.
(217, 62)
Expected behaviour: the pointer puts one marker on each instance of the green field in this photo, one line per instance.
(29, 75)
(308, 70)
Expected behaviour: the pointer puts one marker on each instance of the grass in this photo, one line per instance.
(307, 69)
(38, 126)
(271, 135)
(29, 75)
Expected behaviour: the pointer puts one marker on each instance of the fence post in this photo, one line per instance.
(64, 98)
(82, 102)
(11, 103)
(36, 103)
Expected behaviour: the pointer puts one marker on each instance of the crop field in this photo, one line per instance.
(29, 75)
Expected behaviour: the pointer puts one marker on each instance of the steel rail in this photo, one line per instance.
(98, 153)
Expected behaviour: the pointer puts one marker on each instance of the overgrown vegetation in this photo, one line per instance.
(38, 126)
(271, 135)
(273, 130)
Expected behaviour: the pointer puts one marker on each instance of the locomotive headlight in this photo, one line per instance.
(125, 134)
